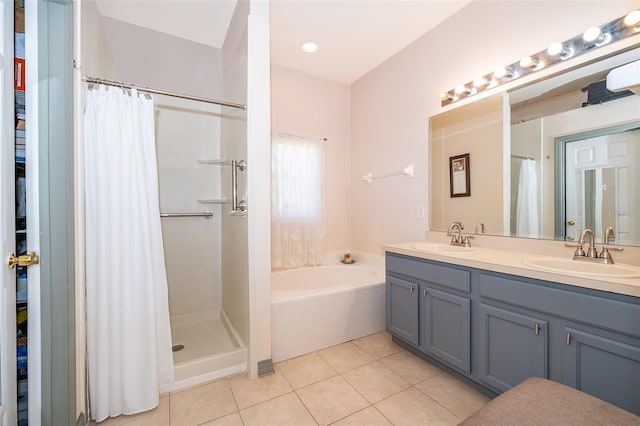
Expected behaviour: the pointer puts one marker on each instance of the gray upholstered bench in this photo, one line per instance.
(543, 402)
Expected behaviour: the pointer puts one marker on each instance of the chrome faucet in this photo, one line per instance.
(592, 253)
(457, 239)
(609, 235)
(481, 226)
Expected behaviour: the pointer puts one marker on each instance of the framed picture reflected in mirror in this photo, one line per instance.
(459, 176)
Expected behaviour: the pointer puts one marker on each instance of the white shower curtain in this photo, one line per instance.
(527, 207)
(128, 332)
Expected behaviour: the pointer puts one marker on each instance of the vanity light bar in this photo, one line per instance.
(592, 38)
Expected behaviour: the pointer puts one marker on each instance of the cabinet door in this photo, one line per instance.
(513, 347)
(602, 367)
(445, 327)
(402, 309)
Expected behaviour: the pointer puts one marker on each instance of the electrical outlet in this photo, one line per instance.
(420, 212)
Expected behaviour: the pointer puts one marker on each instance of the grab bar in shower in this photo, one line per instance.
(206, 215)
(238, 207)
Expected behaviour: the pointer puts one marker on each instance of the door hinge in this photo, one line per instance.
(537, 329)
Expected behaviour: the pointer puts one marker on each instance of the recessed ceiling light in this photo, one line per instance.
(309, 47)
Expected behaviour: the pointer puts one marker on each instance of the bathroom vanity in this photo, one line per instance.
(495, 322)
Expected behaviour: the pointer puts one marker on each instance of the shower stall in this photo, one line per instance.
(196, 193)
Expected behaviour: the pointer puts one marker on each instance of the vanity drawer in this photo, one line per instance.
(621, 315)
(445, 276)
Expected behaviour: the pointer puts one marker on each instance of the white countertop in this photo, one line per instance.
(511, 262)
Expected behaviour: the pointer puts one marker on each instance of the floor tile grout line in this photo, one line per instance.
(435, 400)
(306, 408)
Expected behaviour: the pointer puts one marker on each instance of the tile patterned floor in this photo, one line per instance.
(368, 381)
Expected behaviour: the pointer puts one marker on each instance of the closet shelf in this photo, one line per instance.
(215, 162)
(215, 201)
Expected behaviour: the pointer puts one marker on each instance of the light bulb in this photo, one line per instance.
(529, 62)
(480, 82)
(460, 89)
(502, 72)
(556, 49)
(632, 18)
(445, 96)
(592, 34)
(559, 49)
(309, 47)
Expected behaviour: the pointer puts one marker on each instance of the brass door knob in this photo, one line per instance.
(24, 260)
(570, 223)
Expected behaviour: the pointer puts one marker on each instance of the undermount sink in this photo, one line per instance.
(583, 268)
(445, 249)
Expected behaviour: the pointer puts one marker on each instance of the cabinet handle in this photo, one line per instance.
(424, 292)
(568, 338)
(537, 329)
(412, 288)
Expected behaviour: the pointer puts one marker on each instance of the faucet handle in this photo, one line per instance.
(466, 240)
(579, 251)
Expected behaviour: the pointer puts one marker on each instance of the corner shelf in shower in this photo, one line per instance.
(215, 162)
(215, 201)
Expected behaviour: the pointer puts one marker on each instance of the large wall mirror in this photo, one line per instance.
(546, 160)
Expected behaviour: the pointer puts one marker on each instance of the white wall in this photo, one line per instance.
(259, 159)
(390, 106)
(235, 274)
(306, 105)
(153, 59)
(186, 132)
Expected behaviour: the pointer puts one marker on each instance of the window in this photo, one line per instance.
(297, 202)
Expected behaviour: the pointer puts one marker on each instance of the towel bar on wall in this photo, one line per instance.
(407, 171)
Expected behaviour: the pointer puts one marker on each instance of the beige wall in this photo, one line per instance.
(390, 106)
(476, 129)
(305, 105)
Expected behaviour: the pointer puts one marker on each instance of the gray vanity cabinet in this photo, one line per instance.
(605, 367)
(445, 327)
(402, 309)
(512, 347)
(428, 306)
(496, 329)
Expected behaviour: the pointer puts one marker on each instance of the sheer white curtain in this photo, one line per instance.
(128, 333)
(297, 202)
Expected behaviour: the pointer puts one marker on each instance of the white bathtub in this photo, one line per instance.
(314, 308)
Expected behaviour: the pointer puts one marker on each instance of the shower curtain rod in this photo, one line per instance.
(162, 92)
(309, 138)
(522, 157)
